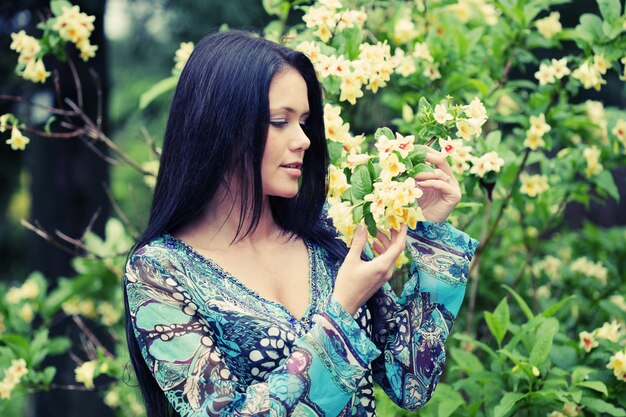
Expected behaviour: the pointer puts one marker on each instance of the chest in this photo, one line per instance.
(280, 275)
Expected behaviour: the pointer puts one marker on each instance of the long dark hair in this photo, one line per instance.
(220, 114)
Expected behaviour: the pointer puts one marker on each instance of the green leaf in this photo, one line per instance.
(552, 310)
(361, 182)
(467, 361)
(602, 407)
(611, 10)
(543, 342)
(157, 90)
(604, 180)
(335, 150)
(594, 385)
(507, 404)
(520, 301)
(498, 321)
(272, 7)
(370, 223)
(56, 6)
(58, 345)
(49, 122)
(357, 214)
(423, 104)
(351, 40)
(590, 28)
(419, 168)
(383, 131)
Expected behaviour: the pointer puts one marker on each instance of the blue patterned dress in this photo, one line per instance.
(216, 348)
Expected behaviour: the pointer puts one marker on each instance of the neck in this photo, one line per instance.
(217, 228)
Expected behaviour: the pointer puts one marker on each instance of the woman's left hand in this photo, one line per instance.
(441, 189)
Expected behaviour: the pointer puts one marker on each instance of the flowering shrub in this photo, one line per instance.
(522, 150)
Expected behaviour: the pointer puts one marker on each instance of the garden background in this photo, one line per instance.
(540, 156)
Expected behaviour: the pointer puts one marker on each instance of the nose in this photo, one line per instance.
(301, 141)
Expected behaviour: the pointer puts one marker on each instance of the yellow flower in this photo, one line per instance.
(486, 163)
(619, 131)
(341, 214)
(538, 124)
(572, 409)
(73, 25)
(17, 141)
(35, 71)
(87, 50)
(350, 89)
(310, 49)
(152, 169)
(587, 341)
(354, 159)
(5, 390)
(616, 299)
(559, 68)
(589, 76)
(391, 167)
(404, 31)
(612, 331)
(592, 157)
(465, 129)
(17, 369)
(617, 363)
(601, 64)
(4, 121)
(476, 112)
(85, 373)
(337, 182)
(30, 289)
(441, 114)
(112, 398)
(26, 313)
(432, 72)
(533, 185)
(109, 316)
(421, 51)
(546, 74)
(182, 55)
(549, 26)
(27, 46)
(623, 61)
(556, 414)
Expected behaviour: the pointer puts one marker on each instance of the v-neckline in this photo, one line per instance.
(236, 281)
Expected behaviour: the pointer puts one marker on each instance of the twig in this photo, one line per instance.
(79, 322)
(473, 274)
(134, 233)
(46, 236)
(95, 133)
(150, 142)
(93, 219)
(49, 109)
(96, 77)
(484, 242)
(67, 135)
(77, 83)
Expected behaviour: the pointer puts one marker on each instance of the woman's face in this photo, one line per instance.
(286, 140)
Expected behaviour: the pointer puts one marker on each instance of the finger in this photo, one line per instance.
(384, 240)
(358, 243)
(446, 188)
(398, 241)
(438, 159)
(436, 174)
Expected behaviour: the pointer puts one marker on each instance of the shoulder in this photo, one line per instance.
(157, 258)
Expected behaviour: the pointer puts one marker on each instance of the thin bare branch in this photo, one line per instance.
(96, 78)
(93, 219)
(55, 135)
(53, 110)
(79, 322)
(120, 213)
(77, 83)
(39, 231)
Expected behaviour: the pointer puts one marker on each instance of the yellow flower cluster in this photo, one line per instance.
(109, 314)
(76, 27)
(459, 153)
(486, 163)
(587, 267)
(28, 47)
(617, 363)
(28, 291)
(549, 26)
(328, 19)
(341, 214)
(17, 141)
(85, 307)
(619, 300)
(551, 266)
(338, 131)
(152, 167)
(556, 70)
(12, 377)
(592, 157)
(85, 373)
(464, 10)
(404, 31)
(533, 185)
(337, 182)
(182, 56)
(393, 203)
(534, 135)
(590, 74)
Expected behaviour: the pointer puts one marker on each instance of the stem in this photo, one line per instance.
(483, 244)
(49, 109)
(68, 135)
(473, 275)
(79, 322)
(77, 83)
(95, 133)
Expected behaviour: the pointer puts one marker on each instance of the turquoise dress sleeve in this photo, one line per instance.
(411, 329)
(180, 349)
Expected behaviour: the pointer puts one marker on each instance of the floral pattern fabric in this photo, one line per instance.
(217, 348)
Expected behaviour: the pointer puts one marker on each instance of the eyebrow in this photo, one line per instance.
(289, 110)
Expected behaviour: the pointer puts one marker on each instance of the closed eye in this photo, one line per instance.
(278, 123)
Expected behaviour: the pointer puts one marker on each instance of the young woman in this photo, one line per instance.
(239, 298)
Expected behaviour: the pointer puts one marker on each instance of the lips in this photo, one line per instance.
(294, 165)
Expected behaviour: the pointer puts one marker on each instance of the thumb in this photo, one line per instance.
(358, 243)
